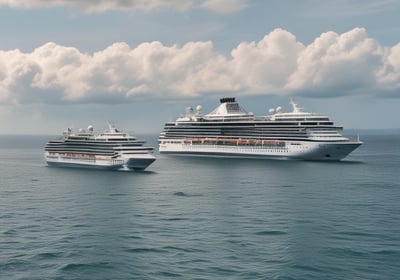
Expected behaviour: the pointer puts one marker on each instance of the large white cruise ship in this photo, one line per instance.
(113, 149)
(230, 131)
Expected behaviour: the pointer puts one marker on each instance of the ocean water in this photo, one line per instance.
(199, 218)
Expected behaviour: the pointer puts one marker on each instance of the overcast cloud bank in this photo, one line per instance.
(100, 6)
(333, 65)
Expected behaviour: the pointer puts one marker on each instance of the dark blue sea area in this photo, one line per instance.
(201, 218)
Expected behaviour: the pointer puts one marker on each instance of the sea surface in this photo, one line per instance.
(201, 218)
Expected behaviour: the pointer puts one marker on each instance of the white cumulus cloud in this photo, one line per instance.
(346, 62)
(99, 6)
(266, 65)
(332, 65)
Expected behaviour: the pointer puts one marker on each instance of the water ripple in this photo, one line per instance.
(271, 232)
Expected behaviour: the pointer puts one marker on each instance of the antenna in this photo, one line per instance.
(296, 108)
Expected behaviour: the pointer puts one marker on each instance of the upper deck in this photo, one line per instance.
(230, 111)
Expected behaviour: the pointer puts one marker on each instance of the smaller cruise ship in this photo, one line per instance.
(113, 149)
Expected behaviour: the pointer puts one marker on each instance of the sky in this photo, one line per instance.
(140, 63)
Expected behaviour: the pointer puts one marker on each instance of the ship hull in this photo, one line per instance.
(301, 150)
(83, 165)
(140, 162)
(59, 161)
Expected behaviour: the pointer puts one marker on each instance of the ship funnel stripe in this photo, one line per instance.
(227, 99)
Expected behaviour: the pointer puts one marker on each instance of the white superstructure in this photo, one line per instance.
(112, 149)
(230, 131)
